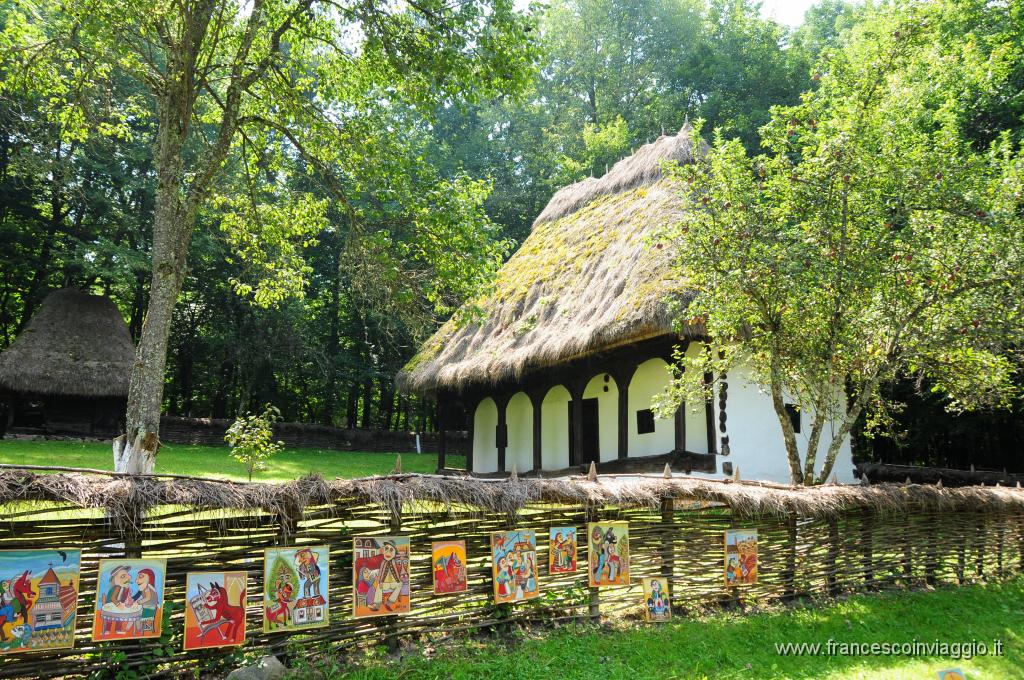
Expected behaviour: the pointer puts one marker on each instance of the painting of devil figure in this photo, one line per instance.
(215, 609)
(296, 583)
(608, 554)
(380, 568)
(449, 558)
(38, 599)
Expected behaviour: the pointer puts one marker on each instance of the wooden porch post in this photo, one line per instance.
(537, 402)
(577, 387)
(501, 436)
(622, 380)
(471, 405)
(442, 444)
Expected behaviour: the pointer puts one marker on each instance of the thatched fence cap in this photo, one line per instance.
(131, 496)
(587, 279)
(76, 345)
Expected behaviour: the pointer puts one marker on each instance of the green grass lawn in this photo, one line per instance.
(724, 645)
(211, 461)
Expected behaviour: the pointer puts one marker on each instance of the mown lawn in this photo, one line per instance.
(734, 646)
(211, 461)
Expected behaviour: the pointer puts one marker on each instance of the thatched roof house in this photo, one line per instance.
(557, 365)
(68, 370)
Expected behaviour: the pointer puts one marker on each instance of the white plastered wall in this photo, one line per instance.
(650, 378)
(602, 387)
(519, 419)
(554, 429)
(485, 449)
(755, 437)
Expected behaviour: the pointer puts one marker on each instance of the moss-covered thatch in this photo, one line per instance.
(76, 345)
(587, 279)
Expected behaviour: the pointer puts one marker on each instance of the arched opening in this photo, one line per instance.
(485, 430)
(554, 429)
(602, 390)
(648, 434)
(519, 420)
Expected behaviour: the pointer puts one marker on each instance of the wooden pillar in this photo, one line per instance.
(709, 417)
(471, 406)
(442, 422)
(622, 381)
(789, 576)
(537, 402)
(681, 427)
(501, 435)
(577, 387)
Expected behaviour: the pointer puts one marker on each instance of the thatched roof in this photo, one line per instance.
(123, 496)
(76, 345)
(588, 278)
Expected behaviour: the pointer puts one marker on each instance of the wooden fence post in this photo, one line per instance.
(932, 559)
(979, 561)
(867, 545)
(961, 555)
(668, 547)
(390, 623)
(908, 564)
(832, 557)
(594, 608)
(999, 547)
(789, 575)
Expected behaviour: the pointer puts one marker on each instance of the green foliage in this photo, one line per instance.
(251, 439)
(873, 237)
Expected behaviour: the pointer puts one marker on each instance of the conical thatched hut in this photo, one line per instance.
(558, 364)
(67, 372)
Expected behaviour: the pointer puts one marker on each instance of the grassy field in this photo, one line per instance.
(210, 461)
(735, 646)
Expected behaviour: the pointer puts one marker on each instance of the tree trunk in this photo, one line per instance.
(135, 451)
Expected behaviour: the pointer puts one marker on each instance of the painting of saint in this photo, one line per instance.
(38, 599)
(740, 557)
(129, 599)
(514, 565)
(608, 553)
(380, 568)
(296, 586)
(657, 605)
(449, 566)
(562, 550)
(215, 609)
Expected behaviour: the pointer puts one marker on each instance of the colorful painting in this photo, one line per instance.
(38, 599)
(381, 575)
(514, 566)
(740, 557)
(952, 674)
(129, 599)
(296, 584)
(657, 605)
(449, 560)
(214, 609)
(562, 550)
(608, 553)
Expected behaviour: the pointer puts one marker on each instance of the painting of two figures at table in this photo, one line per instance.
(129, 599)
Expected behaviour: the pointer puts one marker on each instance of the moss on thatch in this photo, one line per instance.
(76, 345)
(126, 497)
(585, 280)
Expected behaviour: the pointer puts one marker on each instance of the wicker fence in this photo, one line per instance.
(811, 543)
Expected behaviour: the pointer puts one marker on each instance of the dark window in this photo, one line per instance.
(645, 421)
(794, 416)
